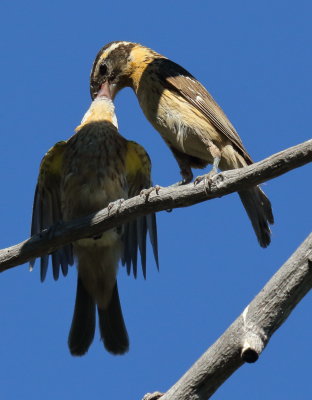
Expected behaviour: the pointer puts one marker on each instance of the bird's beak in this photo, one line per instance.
(104, 91)
(95, 89)
(113, 90)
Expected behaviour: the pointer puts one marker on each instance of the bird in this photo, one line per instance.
(95, 168)
(187, 117)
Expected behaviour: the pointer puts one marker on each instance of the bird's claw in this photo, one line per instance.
(116, 203)
(147, 192)
(207, 179)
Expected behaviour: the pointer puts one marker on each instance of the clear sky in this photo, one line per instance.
(255, 58)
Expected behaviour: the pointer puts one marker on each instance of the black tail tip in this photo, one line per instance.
(77, 351)
(117, 346)
(265, 241)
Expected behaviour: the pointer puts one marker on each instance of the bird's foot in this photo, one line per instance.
(207, 179)
(153, 396)
(116, 204)
(147, 192)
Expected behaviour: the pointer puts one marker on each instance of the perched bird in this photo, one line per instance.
(90, 171)
(189, 120)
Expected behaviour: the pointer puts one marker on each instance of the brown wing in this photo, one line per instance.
(138, 170)
(177, 78)
(47, 209)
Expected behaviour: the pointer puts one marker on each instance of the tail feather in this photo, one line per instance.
(112, 326)
(83, 324)
(259, 210)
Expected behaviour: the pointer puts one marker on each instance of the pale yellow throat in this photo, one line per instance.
(101, 109)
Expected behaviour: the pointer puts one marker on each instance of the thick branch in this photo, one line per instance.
(245, 339)
(168, 198)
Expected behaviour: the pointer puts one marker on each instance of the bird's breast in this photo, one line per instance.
(94, 172)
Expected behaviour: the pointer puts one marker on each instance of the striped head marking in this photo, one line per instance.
(111, 64)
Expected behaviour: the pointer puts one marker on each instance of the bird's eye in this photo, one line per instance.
(103, 69)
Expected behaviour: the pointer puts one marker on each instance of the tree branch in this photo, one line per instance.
(245, 339)
(168, 198)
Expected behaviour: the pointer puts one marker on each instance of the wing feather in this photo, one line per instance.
(152, 230)
(141, 232)
(138, 167)
(186, 85)
(47, 209)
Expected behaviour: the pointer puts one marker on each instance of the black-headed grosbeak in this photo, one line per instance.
(185, 114)
(90, 171)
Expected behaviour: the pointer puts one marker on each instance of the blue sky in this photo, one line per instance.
(255, 58)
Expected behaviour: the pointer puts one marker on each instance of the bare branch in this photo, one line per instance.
(245, 339)
(167, 198)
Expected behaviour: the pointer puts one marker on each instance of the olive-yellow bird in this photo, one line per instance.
(189, 120)
(94, 168)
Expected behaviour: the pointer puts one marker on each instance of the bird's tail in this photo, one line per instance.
(112, 326)
(82, 329)
(259, 210)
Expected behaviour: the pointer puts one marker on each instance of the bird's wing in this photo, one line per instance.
(47, 209)
(138, 170)
(178, 79)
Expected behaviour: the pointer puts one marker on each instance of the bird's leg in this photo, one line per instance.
(216, 154)
(185, 171)
(116, 203)
(184, 164)
(211, 173)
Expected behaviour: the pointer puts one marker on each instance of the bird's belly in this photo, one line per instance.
(81, 198)
(181, 135)
(183, 126)
(83, 195)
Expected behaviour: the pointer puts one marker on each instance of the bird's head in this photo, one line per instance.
(120, 64)
(112, 64)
